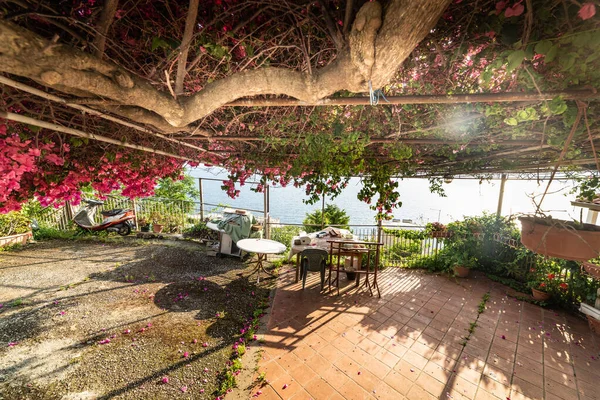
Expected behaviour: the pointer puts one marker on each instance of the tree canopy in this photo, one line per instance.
(90, 89)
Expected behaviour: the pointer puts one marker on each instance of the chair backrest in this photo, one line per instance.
(312, 258)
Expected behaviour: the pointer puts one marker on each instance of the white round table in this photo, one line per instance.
(261, 247)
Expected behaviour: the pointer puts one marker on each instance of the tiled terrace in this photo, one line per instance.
(408, 344)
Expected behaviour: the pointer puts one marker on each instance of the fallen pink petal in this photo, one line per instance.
(587, 11)
(285, 386)
(165, 379)
(183, 389)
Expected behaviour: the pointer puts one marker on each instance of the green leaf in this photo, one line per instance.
(528, 114)
(543, 47)
(592, 57)
(158, 42)
(581, 39)
(76, 142)
(511, 121)
(567, 60)
(515, 59)
(551, 54)
(556, 106)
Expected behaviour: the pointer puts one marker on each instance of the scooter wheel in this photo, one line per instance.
(125, 230)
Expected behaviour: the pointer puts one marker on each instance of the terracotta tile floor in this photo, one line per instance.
(408, 343)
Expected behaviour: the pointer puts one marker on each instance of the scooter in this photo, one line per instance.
(117, 220)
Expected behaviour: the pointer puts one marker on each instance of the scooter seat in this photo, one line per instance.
(110, 213)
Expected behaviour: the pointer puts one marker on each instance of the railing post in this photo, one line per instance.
(201, 199)
(323, 213)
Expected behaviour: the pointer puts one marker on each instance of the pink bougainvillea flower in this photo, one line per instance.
(165, 379)
(12, 344)
(62, 312)
(205, 380)
(204, 344)
(514, 11)
(412, 370)
(503, 337)
(359, 372)
(206, 369)
(186, 354)
(254, 337)
(104, 341)
(126, 331)
(229, 390)
(201, 390)
(587, 11)
(183, 389)
(285, 386)
(148, 325)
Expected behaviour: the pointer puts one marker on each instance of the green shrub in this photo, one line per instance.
(332, 215)
(200, 231)
(45, 233)
(13, 223)
(285, 234)
(401, 250)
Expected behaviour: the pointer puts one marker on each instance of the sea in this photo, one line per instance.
(464, 197)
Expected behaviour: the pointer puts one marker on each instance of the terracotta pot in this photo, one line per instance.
(594, 324)
(20, 238)
(539, 295)
(157, 228)
(592, 269)
(560, 239)
(460, 271)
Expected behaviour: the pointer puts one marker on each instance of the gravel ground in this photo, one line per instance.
(87, 320)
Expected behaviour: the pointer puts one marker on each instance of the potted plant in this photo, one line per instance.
(540, 284)
(436, 229)
(462, 264)
(591, 269)
(156, 221)
(350, 264)
(144, 225)
(562, 239)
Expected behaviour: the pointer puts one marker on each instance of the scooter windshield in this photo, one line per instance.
(85, 218)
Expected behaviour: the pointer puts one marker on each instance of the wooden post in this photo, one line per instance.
(501, 196)
(201, 199)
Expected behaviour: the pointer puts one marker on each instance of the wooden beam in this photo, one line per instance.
(423, 99)
(77, 132)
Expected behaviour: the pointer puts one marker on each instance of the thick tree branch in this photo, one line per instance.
(190, 22)
(378, 43)
(61, 67)
(399, 34)
(106, 19)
